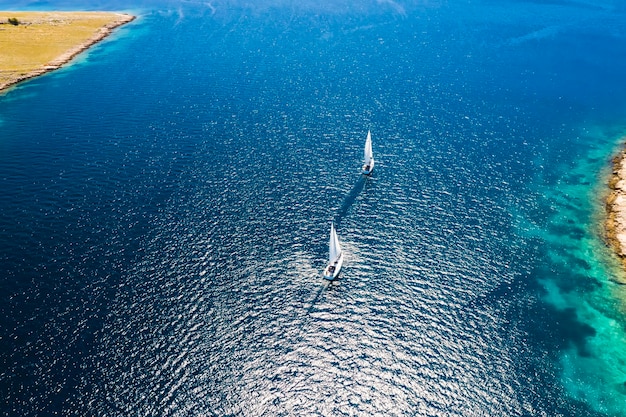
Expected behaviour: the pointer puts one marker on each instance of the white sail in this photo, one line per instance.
(334, 249)
(335, 256)
(368, 155)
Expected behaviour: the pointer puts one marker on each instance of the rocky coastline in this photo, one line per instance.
(615, 221)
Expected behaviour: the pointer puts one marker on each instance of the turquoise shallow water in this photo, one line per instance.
(165, 204)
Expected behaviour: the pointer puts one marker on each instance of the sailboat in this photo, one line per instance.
(368, 156)
(335, 255)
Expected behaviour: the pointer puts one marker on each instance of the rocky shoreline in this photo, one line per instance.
(615, 223)
(68, 55)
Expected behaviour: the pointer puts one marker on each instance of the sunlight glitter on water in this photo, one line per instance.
(180, 218)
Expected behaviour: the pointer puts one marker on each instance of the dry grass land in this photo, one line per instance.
(43, 41)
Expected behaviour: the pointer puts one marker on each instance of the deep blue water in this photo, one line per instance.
(165, 204)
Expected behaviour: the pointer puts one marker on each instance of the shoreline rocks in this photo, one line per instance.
(615, 222)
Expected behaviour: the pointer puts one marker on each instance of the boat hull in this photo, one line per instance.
(368, 169)
(332, 270)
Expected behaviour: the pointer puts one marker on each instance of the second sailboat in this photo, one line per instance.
(335, 255)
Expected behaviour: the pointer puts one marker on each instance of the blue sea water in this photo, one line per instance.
(165, 204)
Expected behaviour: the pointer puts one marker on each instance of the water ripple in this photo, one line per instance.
(163, 249)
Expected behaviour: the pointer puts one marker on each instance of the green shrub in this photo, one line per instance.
(14, 21)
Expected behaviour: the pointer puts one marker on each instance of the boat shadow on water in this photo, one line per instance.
(354, 192)
(317, 296)
(326, 286)
(348, 201)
